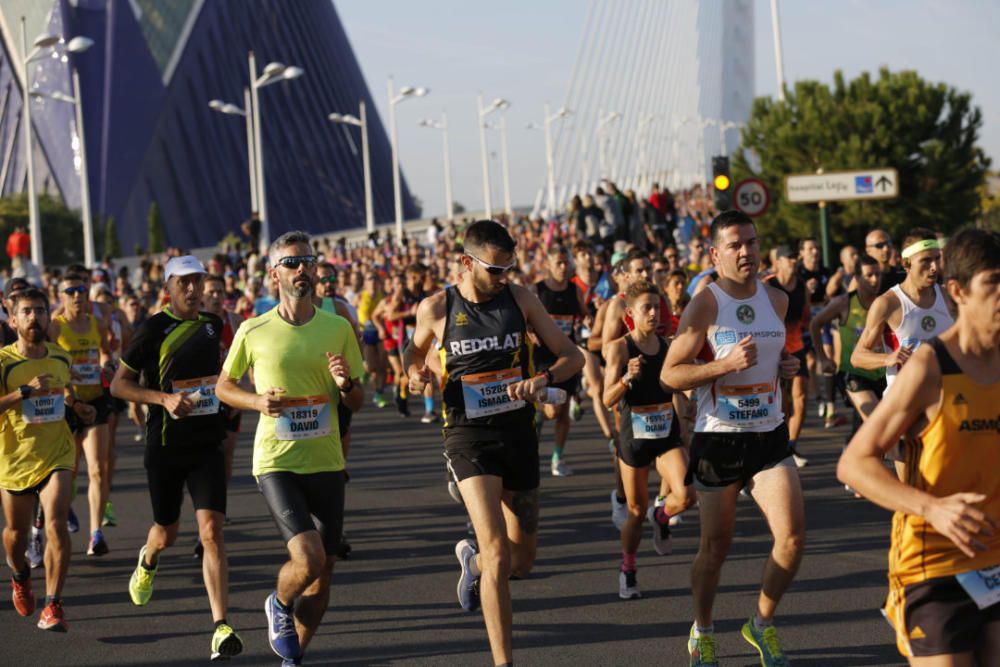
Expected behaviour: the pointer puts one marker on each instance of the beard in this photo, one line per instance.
(34, 334)
(300, 287)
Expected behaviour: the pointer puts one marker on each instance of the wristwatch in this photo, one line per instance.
(349, 387)
(549, 378)
(25, 391)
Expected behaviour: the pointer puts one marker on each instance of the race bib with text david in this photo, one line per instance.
(303, 418)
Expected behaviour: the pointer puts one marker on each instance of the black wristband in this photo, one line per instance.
(25, 391)
(348, 388)
(549, 378)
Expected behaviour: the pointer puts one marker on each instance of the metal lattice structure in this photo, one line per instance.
(658, 86)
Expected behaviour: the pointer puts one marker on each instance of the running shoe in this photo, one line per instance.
(281, 629)
(199, 549)
(34, 553)
(52, 618)
(344, 548)
(97, 545)
(468, 584)
(109, 516)
(835, 421)
(378, 400)
(225, 643)
(702, 650)
(766, 643)
(800, 461)
(72, 522)
(402, 406)
(140, 586)
(291, 662)
(575, 409)
(428, 418)
(619, 511)
(628, 585)
(24, 599)
(662, 541)
(560, 469)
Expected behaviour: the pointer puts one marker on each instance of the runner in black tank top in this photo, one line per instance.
(649, 430)
(563, 302)
(490, 443)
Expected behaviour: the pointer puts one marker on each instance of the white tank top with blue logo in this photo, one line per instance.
(918, 324)
(748, 401)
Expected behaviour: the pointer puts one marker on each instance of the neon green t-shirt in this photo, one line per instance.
(306, 438)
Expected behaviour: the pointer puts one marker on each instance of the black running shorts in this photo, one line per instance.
(642, 453)
(949, 619)
(102, 405)
(300, 503)
(344, 416)
(510, 453)
(204, 473)
(721, 459)
(856, 383)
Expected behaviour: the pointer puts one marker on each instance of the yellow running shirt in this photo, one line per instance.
(306, 438)
(85, 352)
(35, 439)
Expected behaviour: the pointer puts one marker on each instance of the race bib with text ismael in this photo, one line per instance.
(746, 405)
(650, 422)
(485, 394)
(303, 418)
(43, 407)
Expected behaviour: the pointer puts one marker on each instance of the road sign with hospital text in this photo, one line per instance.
(841, 185)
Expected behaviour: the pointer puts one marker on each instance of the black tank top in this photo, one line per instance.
(646, 389)
(485, 344)
(564, 308)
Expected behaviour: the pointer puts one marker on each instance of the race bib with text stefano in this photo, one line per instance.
(746, 405)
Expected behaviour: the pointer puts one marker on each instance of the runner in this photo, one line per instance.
(214, 302)
(79, 331)
(740, 437)
(37, 452)
(177, 352)
(786, 278)
(878, 244)
(914, 310)
(649, 435)
(564, 303)
(367, 300)
(490, 442)
(303, 360)
(401, 309)
(945, 554)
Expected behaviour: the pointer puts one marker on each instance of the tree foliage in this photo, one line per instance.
(157, 238)
(927, 131)
(62, 228)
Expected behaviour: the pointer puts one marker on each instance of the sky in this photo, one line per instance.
(524, 51)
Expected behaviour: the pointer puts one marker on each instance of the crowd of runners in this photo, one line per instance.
(700, 347)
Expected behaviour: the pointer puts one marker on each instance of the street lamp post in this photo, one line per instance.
(233, 110)
(405, 92)
(361, 122)
(498, 103)
(549, 161)
(273, 73)
(601, 131)
(443, 126)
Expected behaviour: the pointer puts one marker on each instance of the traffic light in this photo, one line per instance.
(722, 182)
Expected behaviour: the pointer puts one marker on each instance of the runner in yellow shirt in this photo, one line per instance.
(37, 453)
(305, 362)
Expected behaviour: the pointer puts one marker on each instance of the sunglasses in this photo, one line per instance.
(328, 280)
(493, 269)
(295, 261)
(881, 246)
(79, 289)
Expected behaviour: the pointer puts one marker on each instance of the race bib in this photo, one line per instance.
(303, 418)
(983, 586)
(43, 407)
(486, 393)
(747, 405)
(87, 369)
(202, 391)
(651, 422)
(565, 323)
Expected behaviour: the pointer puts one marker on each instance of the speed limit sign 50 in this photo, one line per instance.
(751, 197)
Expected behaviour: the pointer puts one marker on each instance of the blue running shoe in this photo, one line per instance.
(291, 662)
(72, 522)
(468, 584)
(766, 643)
(281, 629)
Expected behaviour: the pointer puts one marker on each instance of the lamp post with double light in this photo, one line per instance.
(443, 126)
(405, 93)
(361, 121)
(497, 104)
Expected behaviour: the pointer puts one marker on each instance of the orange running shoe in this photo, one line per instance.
(24, 599)
(52, 618)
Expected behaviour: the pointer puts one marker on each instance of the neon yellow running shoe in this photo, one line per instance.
(766, 643)
(225, 643)
(140, 586)
(109, 516)
(702, 650)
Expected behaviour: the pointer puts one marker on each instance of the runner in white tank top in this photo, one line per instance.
(729, 347)
(918, 324)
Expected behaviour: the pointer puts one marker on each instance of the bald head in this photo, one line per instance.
(879, 245)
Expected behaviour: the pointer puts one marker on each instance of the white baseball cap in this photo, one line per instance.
(183, 266)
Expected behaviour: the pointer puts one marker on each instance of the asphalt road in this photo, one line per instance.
(393, 602)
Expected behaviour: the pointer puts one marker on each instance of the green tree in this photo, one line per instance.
(157, 238)
(927, 131)
(112, 245)
(62, 229)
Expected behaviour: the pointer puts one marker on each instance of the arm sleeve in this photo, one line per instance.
(238, 360)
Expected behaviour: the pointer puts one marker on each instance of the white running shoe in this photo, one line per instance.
(800, 461)
(676, 520)
(628, 586)
(619, 511)
(560, 469)
(34, 553)
(662, 542)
